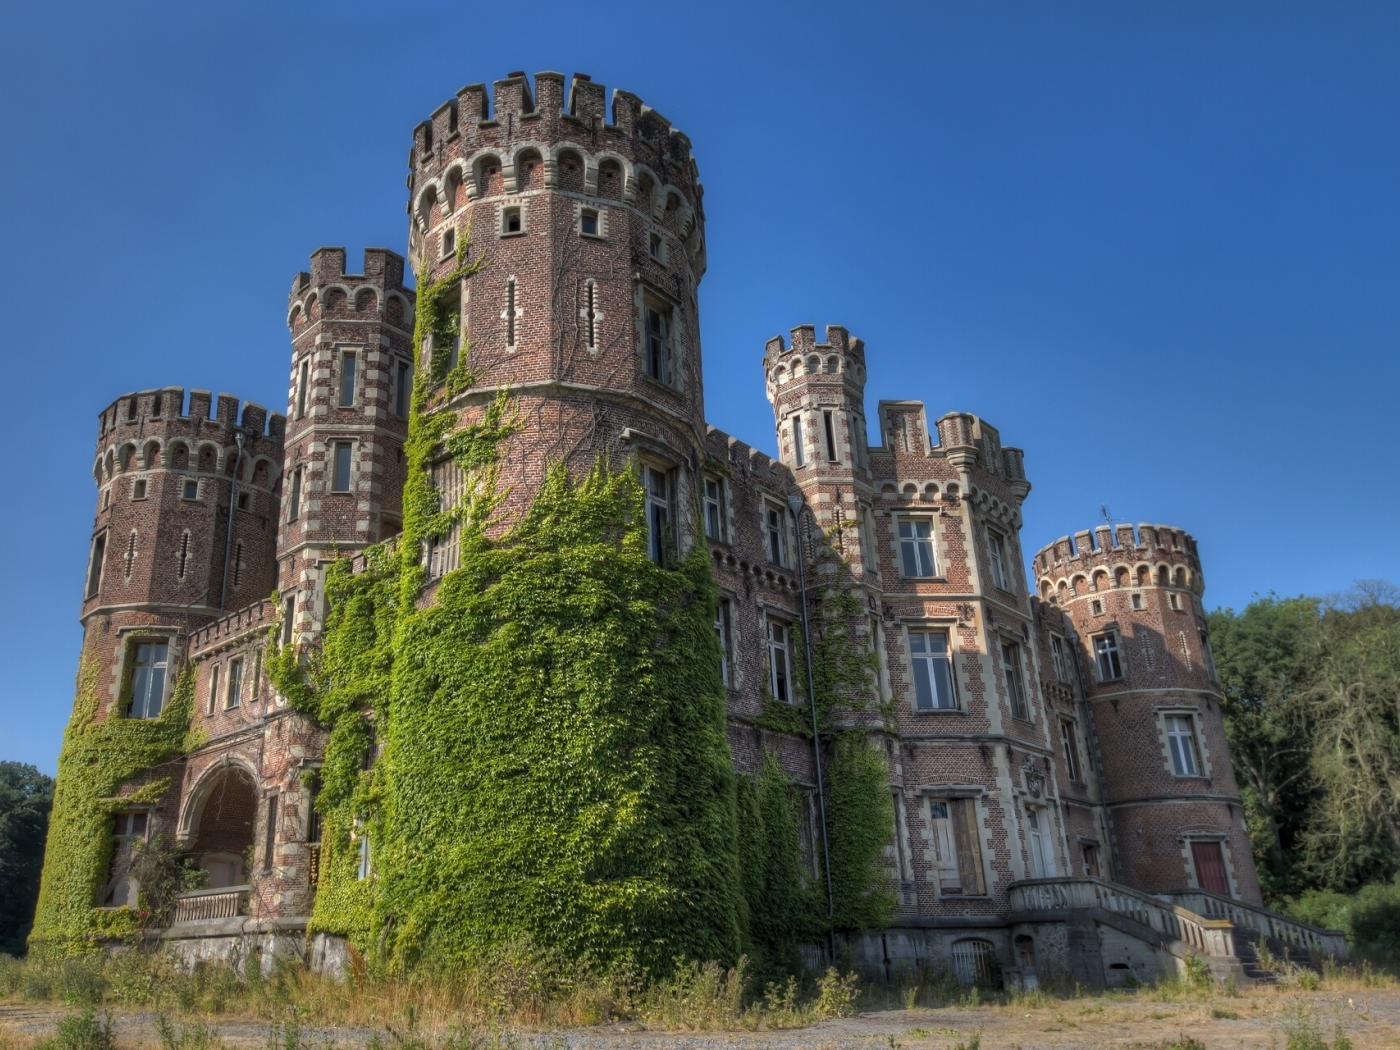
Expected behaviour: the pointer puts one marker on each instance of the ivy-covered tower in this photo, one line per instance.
(347, 419)
(587, 224)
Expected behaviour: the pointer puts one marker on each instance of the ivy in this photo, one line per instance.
(97, 758)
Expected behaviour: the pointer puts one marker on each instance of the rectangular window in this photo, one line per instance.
(799, 448)
(1181, 741)
(588, 222)
(138, 489)
(1059, 657)
(654, 247)
(303, 383)
(1091, 860)
(404, 389)
(191, 489)
(148, 679)
(449, 242)
(779, 669)
(777, 542)
(211, 701)
(1042, 853)
(661, 538)
(294, 500)
(933, 671)
(289, 619)
(869, 554)
(1106, 657)
(830, 435)
(956, 846)
(1073, 769)
(362, 871)
(270, 834)
(340, 480)
(234, 693)
(658, 348)
(714, 509)
(99, 554)
(916, 547)
(901, 837)
(722, 636)
(511, 221)
(1015, 684)
(347, 379)
(313, 818)
(1137, 601)
(996, 552)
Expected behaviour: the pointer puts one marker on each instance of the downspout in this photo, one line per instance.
(228, 533)
(796, 502)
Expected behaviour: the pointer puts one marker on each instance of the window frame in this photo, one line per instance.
(914, 545)
(716, 525)
(516, 212)
(927, 660)
(1059, 658)
(658, 349)
(158, 672)
(1016, 693)
(996, 556)
(233, 684)
(1074, 763)
(596, 214)
(663, 540)
(723, 630)
(1108, 656)
(348, 387)
(1175, 753)
(799, 443)
(775, 544)
(778, 641)
(185, 490)
(403, 391)
(337, 448)
(97, 565)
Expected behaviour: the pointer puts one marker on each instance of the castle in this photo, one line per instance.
(1062, 791)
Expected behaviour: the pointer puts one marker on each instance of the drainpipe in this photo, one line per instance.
(228, 534)
(797, 504)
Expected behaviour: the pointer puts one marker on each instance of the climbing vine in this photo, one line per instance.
(97, 758)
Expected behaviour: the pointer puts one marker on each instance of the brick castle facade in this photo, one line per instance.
(1039, 731)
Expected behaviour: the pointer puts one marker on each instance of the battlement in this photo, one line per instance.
(1118, 546)
(236, 626)
(840, 359)
(512, 102)
(382, 269)
(143, 414)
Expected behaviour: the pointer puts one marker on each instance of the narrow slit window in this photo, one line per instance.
(130, 553)
(238, 565)
(184, 555)
(270, 839)
(294, 499)
(403, 390)
(996, 553)
(289, 614)
(449, 242)
(303, 384)
(658, 352)
(1073, 768)
(777, 543)
(714, 509)
(660, 535)
(799, 451)
(212, 699)
(99, 552)
(654, 246)
(830, 426)
(722, 636)
(590, 314)
(341, 479)
(779, 669)
(347, 379)
(510, 311)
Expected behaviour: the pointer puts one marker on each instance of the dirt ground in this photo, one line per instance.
(1256, 1019)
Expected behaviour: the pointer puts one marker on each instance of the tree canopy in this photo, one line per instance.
(26, 795)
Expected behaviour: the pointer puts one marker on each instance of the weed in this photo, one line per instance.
(975, 1043)
(1221, 1014)
(83, 1031)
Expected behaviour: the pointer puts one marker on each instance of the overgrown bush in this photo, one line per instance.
(1370, 917)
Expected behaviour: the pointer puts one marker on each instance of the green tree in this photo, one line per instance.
(1257, 658)
(26, 796)
(1352, 712)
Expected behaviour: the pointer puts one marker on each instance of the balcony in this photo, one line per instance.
(228, 902)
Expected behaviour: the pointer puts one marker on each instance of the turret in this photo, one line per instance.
(347, 419)
(817, 391)
(1133, 597)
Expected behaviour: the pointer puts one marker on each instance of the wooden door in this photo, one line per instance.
(1210, 867)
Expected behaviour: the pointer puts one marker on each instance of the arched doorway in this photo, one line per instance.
(223, 835)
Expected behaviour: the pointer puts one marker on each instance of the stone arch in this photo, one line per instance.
(150, 455)
(614, 179)
(487, 174)
(452, 180)
(833, 364)
(1163, 576)
(814, 365)
(125, 454)
(313, 307)
(528, 163)
(570, 168)
(396, 308)
(179, 455)
(1101, 575)
(218, 821)
(208, 458)
(1144, 575)
(1181, 577)
(336, 299)
(1075, 583)
(426, 200)
(366, 301)
(295, 316)
(1122, 577)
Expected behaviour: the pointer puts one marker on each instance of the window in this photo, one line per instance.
(660, 535)
(99, 555)
(238, 564)
(1015, 684)
(1176, 602)
(1096, 607)
(830, 427)
(138, 489)
(449, 242)
(127, 829)
(1073, 769)
(1106, 658)
(996, 553)
(722, 636)
(255, 683)
(1137, 601)
(779, 670)
(184, 554)
(303, 382)
(403, 390)
(1181, 742)
(347, 379)
(511, 312)
(655, 247)
(588, 222)
(130, 556)
(511, 221)
(245, 500)
(933, 671)
(235, 684)
(148, 679)
(191, 489)
(658, 348)
(916, 547)
(1042, 853)
(956, 847)
(211, 701)
(714, 509)
(1059, 657)
(799, 447)
(1091, 860)
(1209, 656)
(270, 832)
(340, 481)
(294, 500)
(289, 615)
(901, 838)
(362, 871)
(590, 314)
(313, 819)
(777, 541)
(869, 556)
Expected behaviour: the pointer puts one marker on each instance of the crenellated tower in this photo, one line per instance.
(186, 523)
(1134, 598)
(347, 419)
(588, 222)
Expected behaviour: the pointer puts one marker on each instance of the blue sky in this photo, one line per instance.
(1156, 244)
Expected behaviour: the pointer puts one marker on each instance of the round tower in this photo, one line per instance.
(185, 529)
(347, 419)
(587, 222)
(817, 391)
(1145, 661)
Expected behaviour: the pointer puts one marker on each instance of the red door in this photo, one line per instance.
(1210, 867)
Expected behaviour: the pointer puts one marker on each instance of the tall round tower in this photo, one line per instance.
(587, 220)
(185, 529)
(1144, 655)
(347, 418)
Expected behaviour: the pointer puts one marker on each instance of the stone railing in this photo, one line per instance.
(1318, 942)
(1211, 937)
(228, 902)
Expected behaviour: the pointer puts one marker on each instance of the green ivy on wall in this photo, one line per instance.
(97, 758)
